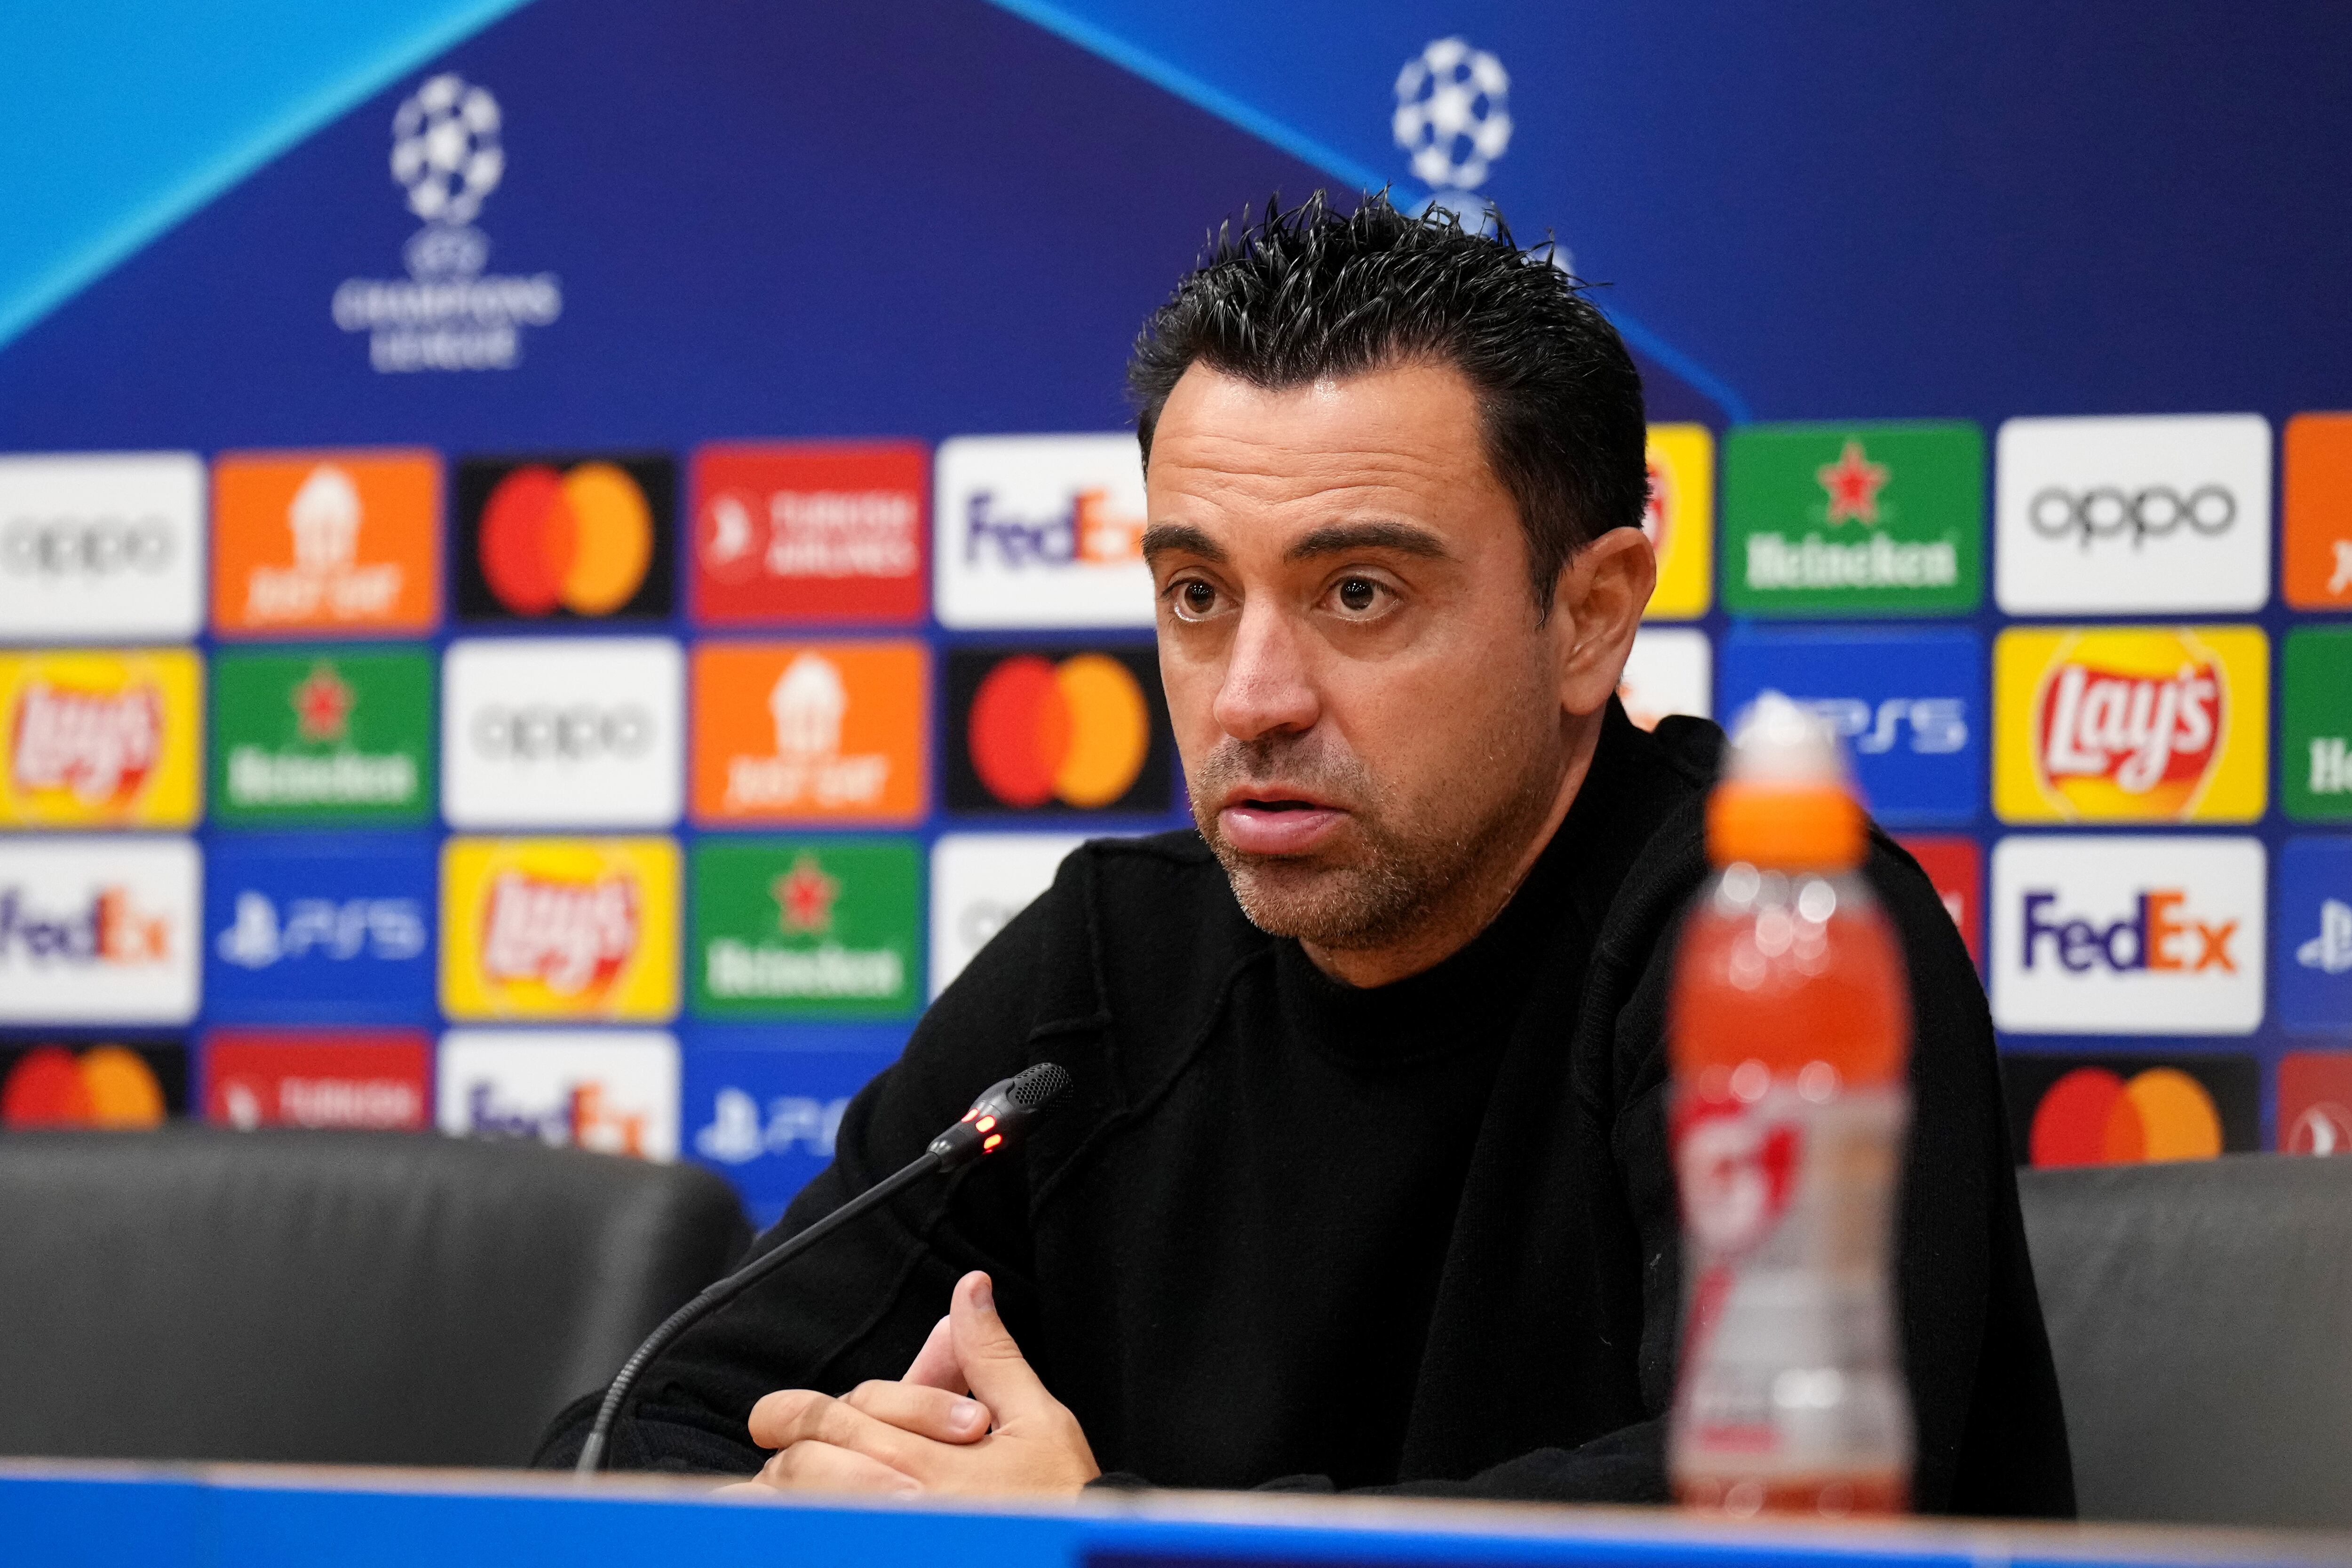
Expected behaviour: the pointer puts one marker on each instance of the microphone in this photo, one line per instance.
(997, 1121)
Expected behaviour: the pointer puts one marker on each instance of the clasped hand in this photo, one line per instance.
(968, 1416)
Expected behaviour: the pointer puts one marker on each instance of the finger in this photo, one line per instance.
(931, 1413)
(934, 1365)
(792, 1417)
(1000, 1374)
(822, 1466)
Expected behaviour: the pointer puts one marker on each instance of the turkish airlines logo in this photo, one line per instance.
(97, 746)
(2116, 514)
(809, 533)
(2128, 936)
(571, 936)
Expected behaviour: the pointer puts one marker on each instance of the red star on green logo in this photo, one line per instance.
(1852, 482)
(323, 704)
(805, 895)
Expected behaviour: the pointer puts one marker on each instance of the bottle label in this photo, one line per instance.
(1790, 1367)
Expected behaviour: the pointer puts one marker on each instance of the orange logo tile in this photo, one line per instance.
(326, 541)
(810, 731)
(2316, 549)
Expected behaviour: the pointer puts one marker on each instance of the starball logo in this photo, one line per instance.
(560, 928)
(2132, 724)
(100, 738)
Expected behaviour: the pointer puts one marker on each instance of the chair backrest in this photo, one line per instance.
(2200, 1314)
(329, 1297)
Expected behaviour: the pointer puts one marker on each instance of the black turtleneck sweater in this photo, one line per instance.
(1419, 1236)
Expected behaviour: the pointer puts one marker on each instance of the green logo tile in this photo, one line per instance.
(322, 735)
(2316, 725)
(814, 927)
(1853, 519)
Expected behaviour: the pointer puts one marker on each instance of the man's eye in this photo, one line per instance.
(1195, 597)
(1359, 593)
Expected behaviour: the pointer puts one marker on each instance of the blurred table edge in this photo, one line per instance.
(99, 1514)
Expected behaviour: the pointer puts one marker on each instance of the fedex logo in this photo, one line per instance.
(1909, 706)
(612, 1091)
(98, 930)
(2128, 935)
(1039, 531)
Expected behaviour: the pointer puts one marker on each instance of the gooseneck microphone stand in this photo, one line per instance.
(996, 1121)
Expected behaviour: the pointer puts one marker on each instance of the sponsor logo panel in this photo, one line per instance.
(563, 732)
(1670, 670)
(1869, 520)
(2316, 725)
(1955, 866)
(810, 732)
(336, 542)
(784, 531)
(102, 546)
(98, 930)
(325, 736)
(2314, 947)
(2130, 515)
(2131, 723)
(765, 1116)
(121, 1084)
(1040, 530)
(305, 928)
(2317, 530)
(806, 927)
(1680, 521)
(101, 739)
(560, 928)
(2128, 935)
(612, 1091)
(979, 883)
(2314, 1102)
(1061, 729)
(317, 1078)
(2102, 1110)
(1909, 706)
(567, 538)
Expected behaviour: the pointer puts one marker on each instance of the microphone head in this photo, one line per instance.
(1000, 1115)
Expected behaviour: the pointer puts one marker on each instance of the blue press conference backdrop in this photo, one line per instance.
(712, 222)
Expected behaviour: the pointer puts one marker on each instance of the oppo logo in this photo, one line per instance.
(2108, 512)
(100, 546)
(581, 732)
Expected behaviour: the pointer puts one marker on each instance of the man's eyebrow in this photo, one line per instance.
(1337, 539)
(1161, 538)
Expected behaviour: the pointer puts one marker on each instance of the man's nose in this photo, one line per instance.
(1268, 686)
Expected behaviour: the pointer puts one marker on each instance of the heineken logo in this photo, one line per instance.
(2316, 725)
(340, 737)
(1878, 519)
(814, 928)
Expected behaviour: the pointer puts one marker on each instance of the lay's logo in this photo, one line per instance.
(2131, 725)
(560, 928)
(100, 738)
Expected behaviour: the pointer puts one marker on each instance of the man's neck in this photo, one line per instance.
(1475, 900)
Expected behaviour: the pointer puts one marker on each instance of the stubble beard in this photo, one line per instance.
(1381, 881)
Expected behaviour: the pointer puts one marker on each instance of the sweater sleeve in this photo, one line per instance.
(859, 1305)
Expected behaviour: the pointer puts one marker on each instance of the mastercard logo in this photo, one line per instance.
(580, 540)
(2095, 1117)
(106, 1086)
(1078, 731)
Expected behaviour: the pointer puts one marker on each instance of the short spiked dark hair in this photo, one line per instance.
(1311, 293)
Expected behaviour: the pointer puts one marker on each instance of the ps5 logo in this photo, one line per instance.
(737, 1134)
(1938, 727)
(391, 929)
(2330, 952)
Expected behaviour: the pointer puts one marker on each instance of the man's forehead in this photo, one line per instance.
(1406, 430)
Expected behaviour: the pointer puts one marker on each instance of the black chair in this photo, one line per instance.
(2202, 1317)
(367, 1298)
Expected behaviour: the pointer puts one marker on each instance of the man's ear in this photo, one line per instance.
(1596, 607)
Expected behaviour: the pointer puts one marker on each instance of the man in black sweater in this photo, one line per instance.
(1364, 1182)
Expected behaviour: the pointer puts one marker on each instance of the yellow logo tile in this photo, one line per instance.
(103, 738)
(1681, 519)
(560, 928)
(2131, 723)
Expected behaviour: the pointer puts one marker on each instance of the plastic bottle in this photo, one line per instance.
(1788, 1030)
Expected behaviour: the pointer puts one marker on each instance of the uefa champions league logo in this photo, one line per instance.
(447, 314)
(1452, 114)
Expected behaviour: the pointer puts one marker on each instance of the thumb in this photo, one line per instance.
(934, 1365)
(999, 1374)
